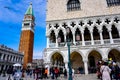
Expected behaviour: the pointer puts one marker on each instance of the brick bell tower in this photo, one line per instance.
(27, 36)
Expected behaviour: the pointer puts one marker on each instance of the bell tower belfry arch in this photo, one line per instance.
(27, 36)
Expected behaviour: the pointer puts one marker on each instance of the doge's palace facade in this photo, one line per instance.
(94, 32)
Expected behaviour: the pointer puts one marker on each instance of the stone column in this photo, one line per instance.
(66, 65)
(118, 27)
(104, 56)
(86, 66)
(111, 39)
(101, 37)
(2, 56)
(119, 33)
(74, 38)
(92, 40)
(47, 42)
(5, 57)
(12, 58)
(56, 42)
(64, 39)
(83, 40)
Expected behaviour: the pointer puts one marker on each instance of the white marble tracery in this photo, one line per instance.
(81, 24)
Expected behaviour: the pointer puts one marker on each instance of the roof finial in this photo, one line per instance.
(30, 3)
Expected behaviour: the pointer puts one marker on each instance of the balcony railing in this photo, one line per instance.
(61, 44)
(87, 43)
(78, 43)
(107, 41)
(97, 42)
(116, 40)
(52, 45)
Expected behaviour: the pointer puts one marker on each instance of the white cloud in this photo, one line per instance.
(13, 12)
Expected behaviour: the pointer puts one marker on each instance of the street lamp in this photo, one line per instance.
(68, 44)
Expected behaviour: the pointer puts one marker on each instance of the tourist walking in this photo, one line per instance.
(105, 70)
(52, 73)
(9, 72)
(65, 73)
(46, 73)
(56, 70)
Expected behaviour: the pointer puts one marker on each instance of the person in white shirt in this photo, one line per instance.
(73, 72)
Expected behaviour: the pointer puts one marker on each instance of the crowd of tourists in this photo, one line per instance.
(108, 70)
(37, 73)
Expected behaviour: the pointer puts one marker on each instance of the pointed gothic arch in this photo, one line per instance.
(50, 30)
(61, 36)
(114, 32)
(78, 35)
(52, 37)
(105, 33)
(70, 35)
(61, 28)
(96, 35)
(87, 34)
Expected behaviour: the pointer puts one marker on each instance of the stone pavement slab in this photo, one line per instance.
(76, 77)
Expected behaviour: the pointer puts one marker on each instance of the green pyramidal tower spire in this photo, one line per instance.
(29, 10)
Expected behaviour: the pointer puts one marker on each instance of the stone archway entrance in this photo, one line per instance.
(76, 61)
(57, 60)
(93, 58)
(115, 55)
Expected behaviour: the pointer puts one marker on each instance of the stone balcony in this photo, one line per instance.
(87, 43)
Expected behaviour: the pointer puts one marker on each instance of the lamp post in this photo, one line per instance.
(68, 45)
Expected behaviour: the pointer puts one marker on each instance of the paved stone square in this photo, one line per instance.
(76, 77)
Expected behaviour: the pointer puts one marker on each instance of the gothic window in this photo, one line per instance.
(96, 34)
(105, 33)
(69, 36)
(61, 36)
(77, 35)
(113, 2)
(115, 33)
(73, 5)
(87, 34)
(52, 37)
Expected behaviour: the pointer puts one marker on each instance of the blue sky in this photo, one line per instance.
(11, 17)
